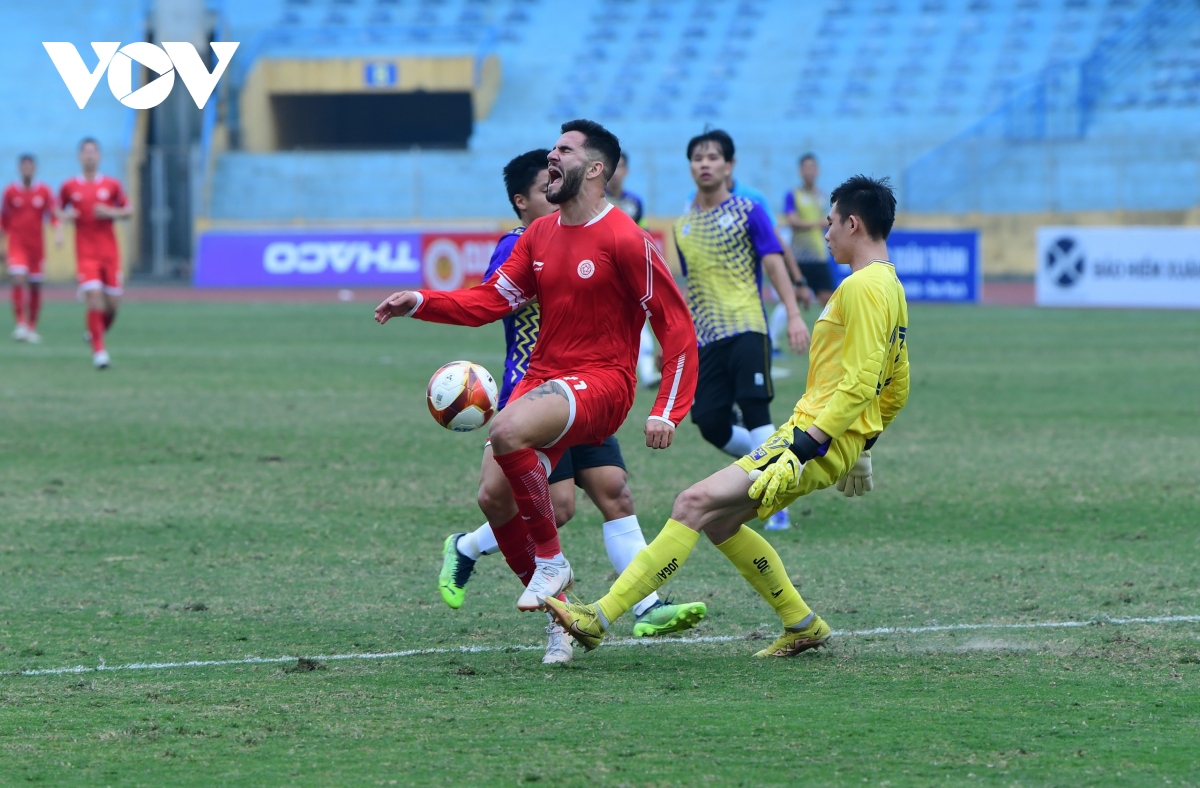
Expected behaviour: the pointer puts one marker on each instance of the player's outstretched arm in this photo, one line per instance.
(396, 305)
(507, 290)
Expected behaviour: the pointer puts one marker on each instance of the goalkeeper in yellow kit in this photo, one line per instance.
(857, 383)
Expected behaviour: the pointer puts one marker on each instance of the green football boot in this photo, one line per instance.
(666, 617)
(456, 571)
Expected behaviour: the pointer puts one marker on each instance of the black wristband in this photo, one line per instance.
(870, 442)
(805, 446)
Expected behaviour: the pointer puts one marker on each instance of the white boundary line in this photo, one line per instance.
(418, 652)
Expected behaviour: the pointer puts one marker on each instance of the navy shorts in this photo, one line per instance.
(580, 458)
(817, 275)
(733, 369)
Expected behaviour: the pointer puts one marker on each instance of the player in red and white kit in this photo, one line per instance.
(596, 277)
(94, 202)
(25, 206)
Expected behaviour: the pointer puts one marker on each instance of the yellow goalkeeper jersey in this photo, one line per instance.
(858, 360)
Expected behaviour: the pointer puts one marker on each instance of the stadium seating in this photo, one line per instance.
(1094, 133)
(871, 85)
(39, 114)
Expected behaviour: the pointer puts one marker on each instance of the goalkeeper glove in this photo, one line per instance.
(784, 474)
(779, 477)
(858, 480)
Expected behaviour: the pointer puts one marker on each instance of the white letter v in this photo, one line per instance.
(196, 77)
(81, 82)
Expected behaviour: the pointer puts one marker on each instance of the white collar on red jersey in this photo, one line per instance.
(99, 177)
(595, 219)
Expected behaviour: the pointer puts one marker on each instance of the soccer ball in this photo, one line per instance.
(462, 396)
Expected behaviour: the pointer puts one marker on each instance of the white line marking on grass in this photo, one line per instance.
(418, 652)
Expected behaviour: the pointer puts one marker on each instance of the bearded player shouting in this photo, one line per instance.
(596, 277)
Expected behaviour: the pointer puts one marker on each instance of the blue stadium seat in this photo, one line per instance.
(896, 79)
(40, 115)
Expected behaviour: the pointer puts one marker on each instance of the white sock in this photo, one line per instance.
(623, 538)
(779, 320)
(759, 435)
(558, 560)
(740, 444)
(647, 369)
(479, 542)
(647, 340)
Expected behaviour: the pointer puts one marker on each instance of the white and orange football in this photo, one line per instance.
(462, 396)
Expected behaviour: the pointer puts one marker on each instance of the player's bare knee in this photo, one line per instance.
(615, 502)
(500, 433)
(562, 498)
(721, 526)
(495, 500)
(564, 510)
(506, 435)
(692, 505)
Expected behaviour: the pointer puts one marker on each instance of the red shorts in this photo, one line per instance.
(25, 259)
(600, 400)
(95, 273)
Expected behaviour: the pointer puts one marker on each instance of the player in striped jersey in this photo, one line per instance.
(725, 242)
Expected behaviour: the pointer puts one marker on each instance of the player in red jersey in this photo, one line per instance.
(596, 277)
(23, 209)
(94, 202)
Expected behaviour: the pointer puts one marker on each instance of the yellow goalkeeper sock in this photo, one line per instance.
(761, 566)
(650, 568)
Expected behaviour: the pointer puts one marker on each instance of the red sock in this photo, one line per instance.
(110, 317)
(18, 299)
(95, 324)
(527, 477)
(35, 304)
(517, 548)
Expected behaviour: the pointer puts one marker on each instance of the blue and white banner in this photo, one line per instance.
(1119, 267)
(309, 258)
(935, 265)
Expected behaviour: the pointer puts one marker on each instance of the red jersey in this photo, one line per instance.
(22, 212)
(595, 285)
(94, 238)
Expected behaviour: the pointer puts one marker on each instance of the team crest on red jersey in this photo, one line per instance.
(586, 269)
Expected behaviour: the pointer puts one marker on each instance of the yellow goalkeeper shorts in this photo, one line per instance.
(817, 474)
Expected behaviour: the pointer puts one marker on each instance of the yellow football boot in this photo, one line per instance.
(581, 622)
(815, 635)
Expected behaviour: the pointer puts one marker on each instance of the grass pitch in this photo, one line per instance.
(265, 480)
